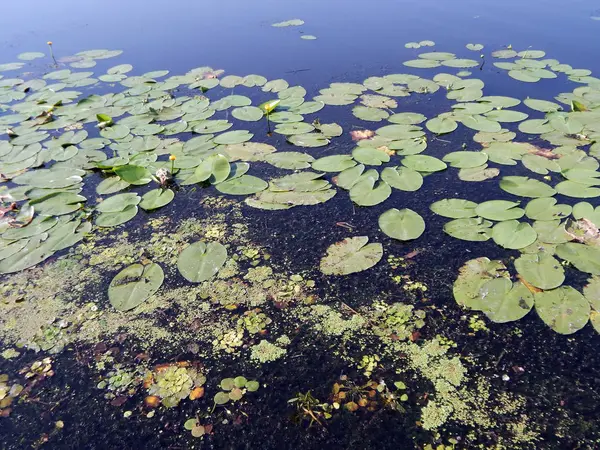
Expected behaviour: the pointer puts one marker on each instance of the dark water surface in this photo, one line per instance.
(356, 39)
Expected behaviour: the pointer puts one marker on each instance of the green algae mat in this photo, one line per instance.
(211, 253)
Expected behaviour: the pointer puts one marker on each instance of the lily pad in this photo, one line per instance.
(402, 178)
(134, 285)
(454, 208)
(473, 229)
(404, 224)
(564, 309)
(365, 193)
(156, 198)
(526, 187)
(424, 163)
(499, 210)
(471, 278)
(513, 234)
(541, 270)
(243, 185)
(200, 261)
(350, 256)
(505, 301)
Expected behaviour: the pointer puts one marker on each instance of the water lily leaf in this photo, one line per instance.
(248, 151)
(524, 75)
(513, 234)
(404, 224)
(243, 185)
(248, 113)
(465, 160)
(350, 256)
(200, 261)
(370, 114)
(259, 204)
(474, 47)
(57, 203)
(551, 231)
(577, 190)
(133, 174)
(289, 23)
(407, 118)
(37, 226)
(290, 160)
(233, 137)
(156, 198)
(585, 210)
(454, 208)
(564, 309)
(480, 123)
(505, 301)
(535, 126)
(289, 129)
(115, 132)
(308, 140)
(424, 163)
(472, 276)
(583, 257)
(473, 229)
(540, 165)
(296, 198)
(30, 56)
(545, 208)
(370, 156)
(402, 178)
(212, 126)
(364, 192)
(111, 185)
(499, 210)
(542, 105)
(221, 398)
(333, 163)
(526, 187)
(541, 270)
(329, 129)
(215, 169)
(479, 173)
(460, 63)
(118, 202)
(422, 63)
(112, 219)
(134, 285)
(349, 177)
(441, 125)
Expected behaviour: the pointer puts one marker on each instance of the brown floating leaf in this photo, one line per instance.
(197, 393)
(543, 152)
(528, 285)
(359, 135)
(152, 401)
(351, 406)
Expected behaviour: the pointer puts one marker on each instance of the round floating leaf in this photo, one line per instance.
(233, 137)
(248, 113)
(308, 140)
(113, 219)
(134, 285)
(479, 173)
(465, 160)
(156, 198)
(424, 163)
(472, 276)
(563, 309)
(541, 270)
(370, 156)
(370, 114)
(422, 63)
(441, 126)
(551, 231)
(513, 234)
(545, 208)
(504, 301)
(481, 123)
(118, 202)
(248, 151)
(526, 76)
(351, 255)
(474, 47)
(460, 63)
(221, 398)
(576, 190)
(290, 160)
(243, 185)
(252, 386)
(583, 257)
(289, 23)
(584, 210)
(364, 192)
(499, 210)
(200, 261)
(333, 163)
(402, 178)
(289, 129)
(133, 174)
(404, 224)
(542, 105)
(454, 208)
(212, 126)
(506, 115)
(407, 118)
(526, 187)
(469, 229)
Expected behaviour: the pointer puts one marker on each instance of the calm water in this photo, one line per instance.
(356, 39)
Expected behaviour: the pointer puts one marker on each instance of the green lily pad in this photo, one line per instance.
(545, 208)
(112, 219)
(583, 257)
(454, 208)
(564, 309)
(248, 113)
(423, 163)
(465, 160)
(513, 234)
(308, 140)
(479, 173)
(333, 163)
(541, 270)
(499, 210)
(364, 192)
(118, 202)
(473, 229)
(526, 187)
(370, 114)
(350, 256)
(404, 224)
(370, 156)
(441, 125)
(200, 261)
(472, 276)
(402, 178)
(134, 285)
(505, 301)
(156, 198)
(243, 185)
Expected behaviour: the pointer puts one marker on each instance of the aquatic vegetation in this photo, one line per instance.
(174, 382)
(368, 364)
(254, 321)
(230, 341)
(265, 352)
(397, 321)
(351, 255)
(234, 389)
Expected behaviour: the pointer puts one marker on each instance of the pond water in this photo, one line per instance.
(401, 250)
